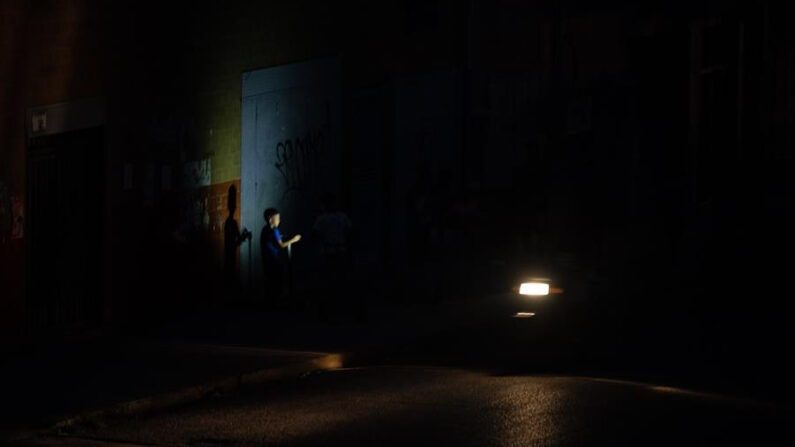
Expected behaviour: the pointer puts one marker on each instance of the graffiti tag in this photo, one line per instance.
(298, 161)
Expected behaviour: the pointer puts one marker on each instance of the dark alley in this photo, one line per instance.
(482, 222)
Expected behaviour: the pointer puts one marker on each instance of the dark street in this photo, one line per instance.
(438, 406)
(469, 373)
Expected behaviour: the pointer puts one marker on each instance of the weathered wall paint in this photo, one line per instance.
(291, 155)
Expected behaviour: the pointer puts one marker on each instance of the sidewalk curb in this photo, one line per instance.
(195, 393)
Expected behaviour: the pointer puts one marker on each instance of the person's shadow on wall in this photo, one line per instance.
(233, 238)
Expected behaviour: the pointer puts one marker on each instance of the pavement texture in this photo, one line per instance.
(201, 356)
(480, 332)
(99, 377)
(443, 406)
(95, 391)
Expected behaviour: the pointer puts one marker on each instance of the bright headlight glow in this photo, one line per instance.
(534, 289)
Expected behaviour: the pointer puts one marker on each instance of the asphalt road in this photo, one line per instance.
(444, 406)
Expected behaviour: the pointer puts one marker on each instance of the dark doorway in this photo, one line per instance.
(65, 223)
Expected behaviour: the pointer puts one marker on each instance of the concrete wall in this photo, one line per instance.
(290, 152)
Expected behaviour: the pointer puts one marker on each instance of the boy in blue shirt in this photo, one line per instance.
(272, 247)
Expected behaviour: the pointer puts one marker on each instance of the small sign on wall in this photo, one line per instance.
(65, 117)
(38, 122)
(197, 173)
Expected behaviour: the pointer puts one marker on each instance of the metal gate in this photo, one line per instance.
(64, 234)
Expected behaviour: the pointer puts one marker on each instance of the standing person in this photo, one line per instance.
(332, 229)
(272, 247)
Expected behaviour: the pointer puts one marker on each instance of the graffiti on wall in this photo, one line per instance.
(298, 160)
(290, 153)
(197, 173)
